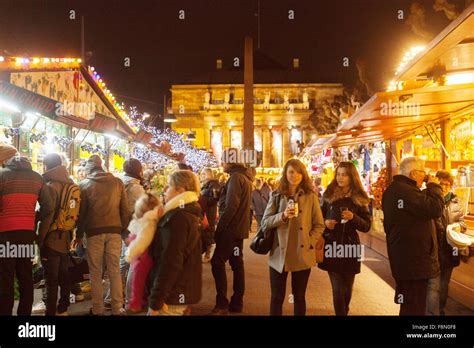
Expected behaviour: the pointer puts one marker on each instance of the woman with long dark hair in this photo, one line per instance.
(345, 210)
(294, 210)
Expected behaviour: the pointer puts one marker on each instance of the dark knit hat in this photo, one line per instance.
(133, 168)
(6, 152)
(52, 160)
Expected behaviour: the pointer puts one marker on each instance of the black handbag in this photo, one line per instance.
(262, 243)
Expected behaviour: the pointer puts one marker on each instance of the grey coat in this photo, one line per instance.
(294, 246)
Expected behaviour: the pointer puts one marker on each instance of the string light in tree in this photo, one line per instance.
(195, 157)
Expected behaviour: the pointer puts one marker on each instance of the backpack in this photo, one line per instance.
(68, 209)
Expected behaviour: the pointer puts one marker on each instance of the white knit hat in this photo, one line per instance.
(6, 152)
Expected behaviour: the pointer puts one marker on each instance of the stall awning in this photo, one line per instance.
(317, 145)
(394, 114)
(27, 101)
(102, 124)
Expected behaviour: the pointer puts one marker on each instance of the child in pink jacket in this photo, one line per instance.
(148, 210)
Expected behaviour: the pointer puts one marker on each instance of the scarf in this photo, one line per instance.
(180, 200)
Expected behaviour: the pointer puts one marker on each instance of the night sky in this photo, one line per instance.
(165, 50)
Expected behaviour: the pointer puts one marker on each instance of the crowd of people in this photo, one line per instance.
(148, 250)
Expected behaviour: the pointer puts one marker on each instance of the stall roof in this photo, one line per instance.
(318, 144)
(458, 33)
(397, 113)
(393, 114)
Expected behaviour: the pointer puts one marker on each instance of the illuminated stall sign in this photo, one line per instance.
(28, 101)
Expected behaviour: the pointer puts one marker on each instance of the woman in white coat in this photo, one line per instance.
(298, 234)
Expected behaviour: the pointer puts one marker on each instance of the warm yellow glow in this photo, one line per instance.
(2, 59)
(459, 78)
(36, 60)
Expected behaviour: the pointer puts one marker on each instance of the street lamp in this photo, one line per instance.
(170, 118)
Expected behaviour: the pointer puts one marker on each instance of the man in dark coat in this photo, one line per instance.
(232, 228)
(409, 215)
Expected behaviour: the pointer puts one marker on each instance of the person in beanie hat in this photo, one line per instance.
(20, 190)
(54, 244)
(6, 152)
(103, 217)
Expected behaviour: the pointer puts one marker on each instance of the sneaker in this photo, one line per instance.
(39, 308)
(91, 312)
(79, 297)
(219, 311)
(63, 314)
(122, 312)
(86, 287)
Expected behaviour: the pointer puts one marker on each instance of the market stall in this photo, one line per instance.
(427, 112)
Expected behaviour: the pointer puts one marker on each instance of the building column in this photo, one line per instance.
(286, 145)
(225, 137)
(207, 137)
(266, 147)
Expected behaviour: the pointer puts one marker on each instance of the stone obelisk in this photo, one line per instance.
(248, 95)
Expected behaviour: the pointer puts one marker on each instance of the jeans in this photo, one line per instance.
(56, 272)
(229, 249)
(299, 282)
(433, 296)
(23, 269)
(105, 247)
(341, 291)
(411, 295)
(445, 278)
(124, 269)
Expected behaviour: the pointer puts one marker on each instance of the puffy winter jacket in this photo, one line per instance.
(104, 205)
(176, 251)
(344, 236)
(20, 189)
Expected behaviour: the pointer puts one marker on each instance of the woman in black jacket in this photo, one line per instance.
(345, 210)
(176, 249)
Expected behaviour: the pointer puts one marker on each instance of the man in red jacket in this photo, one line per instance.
(20, 189)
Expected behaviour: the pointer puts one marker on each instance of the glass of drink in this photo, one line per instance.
(343, 209)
